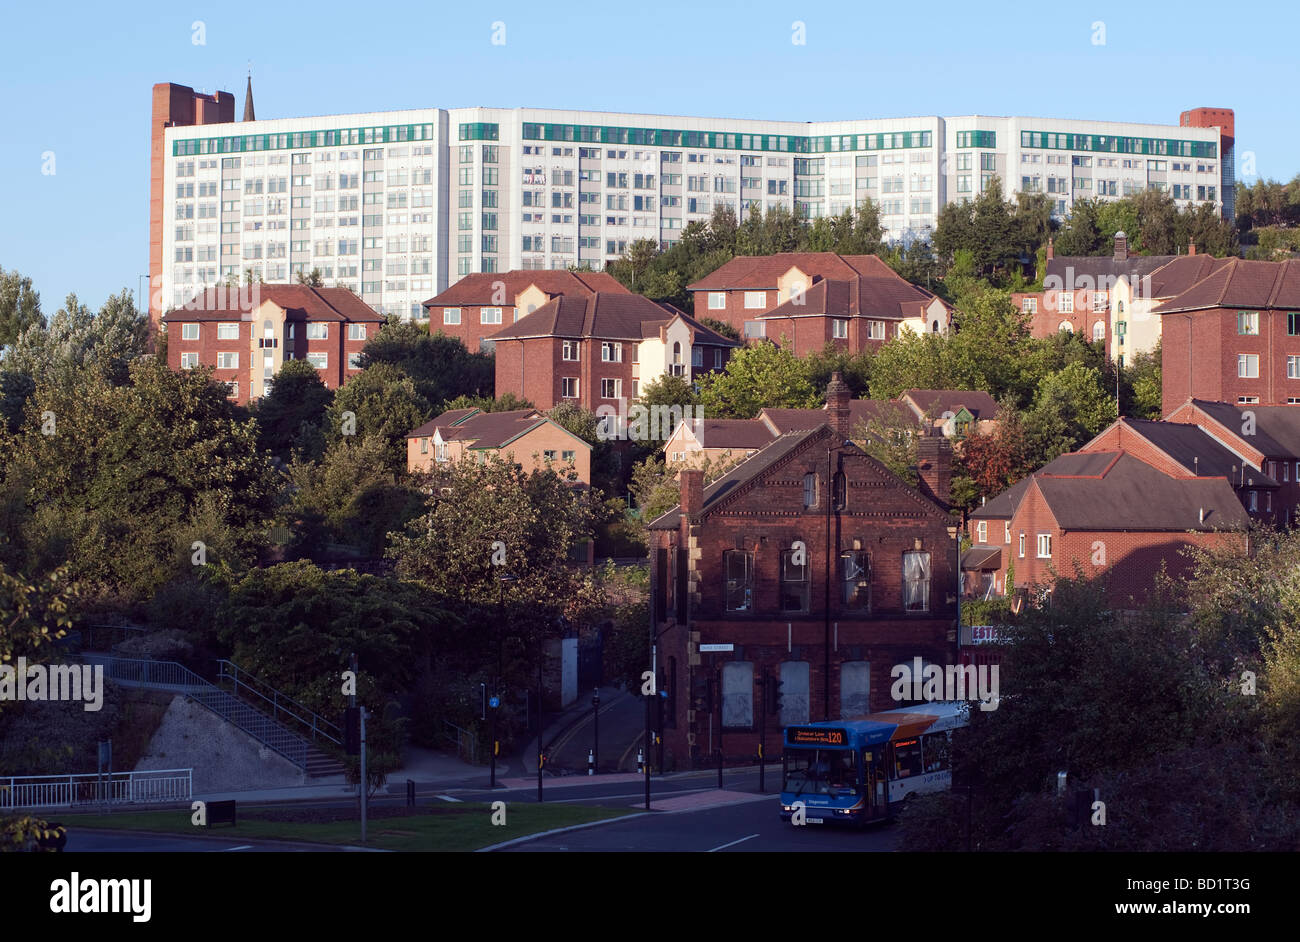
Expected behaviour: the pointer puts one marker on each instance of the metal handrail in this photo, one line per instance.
(49, 791)
(280, 703)
(465, 742)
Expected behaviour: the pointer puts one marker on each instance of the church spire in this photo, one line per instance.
(248, 100)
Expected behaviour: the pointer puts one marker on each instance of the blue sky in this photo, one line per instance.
(75, 79)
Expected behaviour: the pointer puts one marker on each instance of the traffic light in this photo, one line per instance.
(774, 695)
(352, 731)
(703, 684)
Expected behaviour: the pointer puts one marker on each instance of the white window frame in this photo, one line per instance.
(226, 331)
(227, 360)
(356, 331)
(354, 359)
(189, 360)
(755, 300)
(717, 300)
(982, 531)
(1248, 366)
(611, 352)
(1065, 300)
(839, 328)
(1044, 543)
(317, 331)
(1293, 367)
(564, 382)
(189, 331)
(489, 315)
(451, 315)
(570, 351)
(322, 357)
(1029, 305)
(618, 388)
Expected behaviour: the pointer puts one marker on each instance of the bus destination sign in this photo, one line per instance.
(815, 736)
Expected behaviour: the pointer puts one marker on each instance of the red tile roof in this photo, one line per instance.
(605, 316)
(762, 271)
(938, 401)
(482, 429)
(731, 433)
(300, 302)
(886, 296)
(1180, 274)
(1242, 284)
(481, 288)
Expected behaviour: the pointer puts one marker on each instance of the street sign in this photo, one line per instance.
(494, 702)
(704, 648)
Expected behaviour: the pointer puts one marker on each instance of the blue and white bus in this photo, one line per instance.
(861, 770)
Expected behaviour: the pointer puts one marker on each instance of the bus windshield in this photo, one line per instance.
(820, 771)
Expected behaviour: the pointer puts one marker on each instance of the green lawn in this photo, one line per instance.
(459, 827)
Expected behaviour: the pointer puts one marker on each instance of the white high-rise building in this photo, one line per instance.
(398, 205)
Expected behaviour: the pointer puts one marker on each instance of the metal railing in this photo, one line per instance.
(169, 675)
(87, 635)
(466, 742)
(283, 707)
(91, 788)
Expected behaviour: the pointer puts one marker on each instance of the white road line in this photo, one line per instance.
(449, 798)
(732, 844)
(240, 847)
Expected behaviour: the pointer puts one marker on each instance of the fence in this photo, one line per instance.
(91, 789)
(284, 709)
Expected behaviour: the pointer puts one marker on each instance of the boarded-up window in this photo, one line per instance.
(794, 692)
(738, 694)
(855, 689)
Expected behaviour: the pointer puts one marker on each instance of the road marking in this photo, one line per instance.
(732, 844)
(449, 798)
(240, 847)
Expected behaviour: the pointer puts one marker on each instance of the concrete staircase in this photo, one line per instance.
(177, 678)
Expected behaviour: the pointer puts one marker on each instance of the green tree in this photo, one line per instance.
(1077, 396)
(20, 306)
(755, 377)
(440, 366)
(291, 419)
(385, 405)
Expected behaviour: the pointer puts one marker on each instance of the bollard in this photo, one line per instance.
(591, 762)
(640, 761)
(410, 793)
(719, 768)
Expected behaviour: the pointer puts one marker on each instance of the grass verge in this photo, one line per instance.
(459, 827)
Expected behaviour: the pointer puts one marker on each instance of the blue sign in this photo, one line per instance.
(494, 702)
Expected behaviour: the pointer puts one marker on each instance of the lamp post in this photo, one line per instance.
(595, 736)
(494, 703)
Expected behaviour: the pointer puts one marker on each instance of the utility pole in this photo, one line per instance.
(762, 728)
(365, 786)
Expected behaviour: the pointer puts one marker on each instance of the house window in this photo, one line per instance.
(611, 352)
(1248, 322)
(794, 582)
(839, 328)
(916, 582)
(810, 490)
(1286, 468)
(738, 569)
(794, 693)
(1067, 327)
(318, 331)
(1254, 501)
(189, 331)
(1006, 528)
(875, 330)
(1044, 546)
(1293, 324)
(738, 694)
(569, 387)
(189, 360)
(227, 331)
(717, 358)
(1248, 365)
(227, 361)
(1268, 500)
(548, 454)
(717, 300)
(611, 388)
(424, 446)
(697, 357)
(318, 360)
(440, 452)
(1066, 299)
(354, 361)
(1022, 545)
(232, 390)
(569, 351)
(451, 315)
(1098, 302)
(982, 531)
(839, 490)
(356, 331)
(1293, 367)
(1029, 305)
(1099, 331)
(855, 569)
(568, 456)
(755, 300)
(489, 315)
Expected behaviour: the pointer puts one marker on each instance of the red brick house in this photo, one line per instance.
(1122, 508)
(806, 300)
(523, 436)
(602, 350)
(248, 332)
(809, 563)
(1234, 336)
(480, 304)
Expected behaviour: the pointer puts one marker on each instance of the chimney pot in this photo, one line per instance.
(837, 406)
(1191, 247)
(1121, 246)
(934, 467)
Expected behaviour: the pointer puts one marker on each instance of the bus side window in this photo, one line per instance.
(936, 749)
(907, 758)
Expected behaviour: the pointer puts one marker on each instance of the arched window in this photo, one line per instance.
(677, 352)
(1121, 307)
(934, 327)
(1067, 327)
(1099, 330)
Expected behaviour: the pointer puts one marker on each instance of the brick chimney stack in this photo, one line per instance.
(1121, 247)
(934, 466)
(691, 481)
(1191, 247)
(1051, 249)
(837, 406)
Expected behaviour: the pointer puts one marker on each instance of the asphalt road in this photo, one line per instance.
(93, 842)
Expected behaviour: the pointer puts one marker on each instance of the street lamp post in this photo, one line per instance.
(595, 737)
